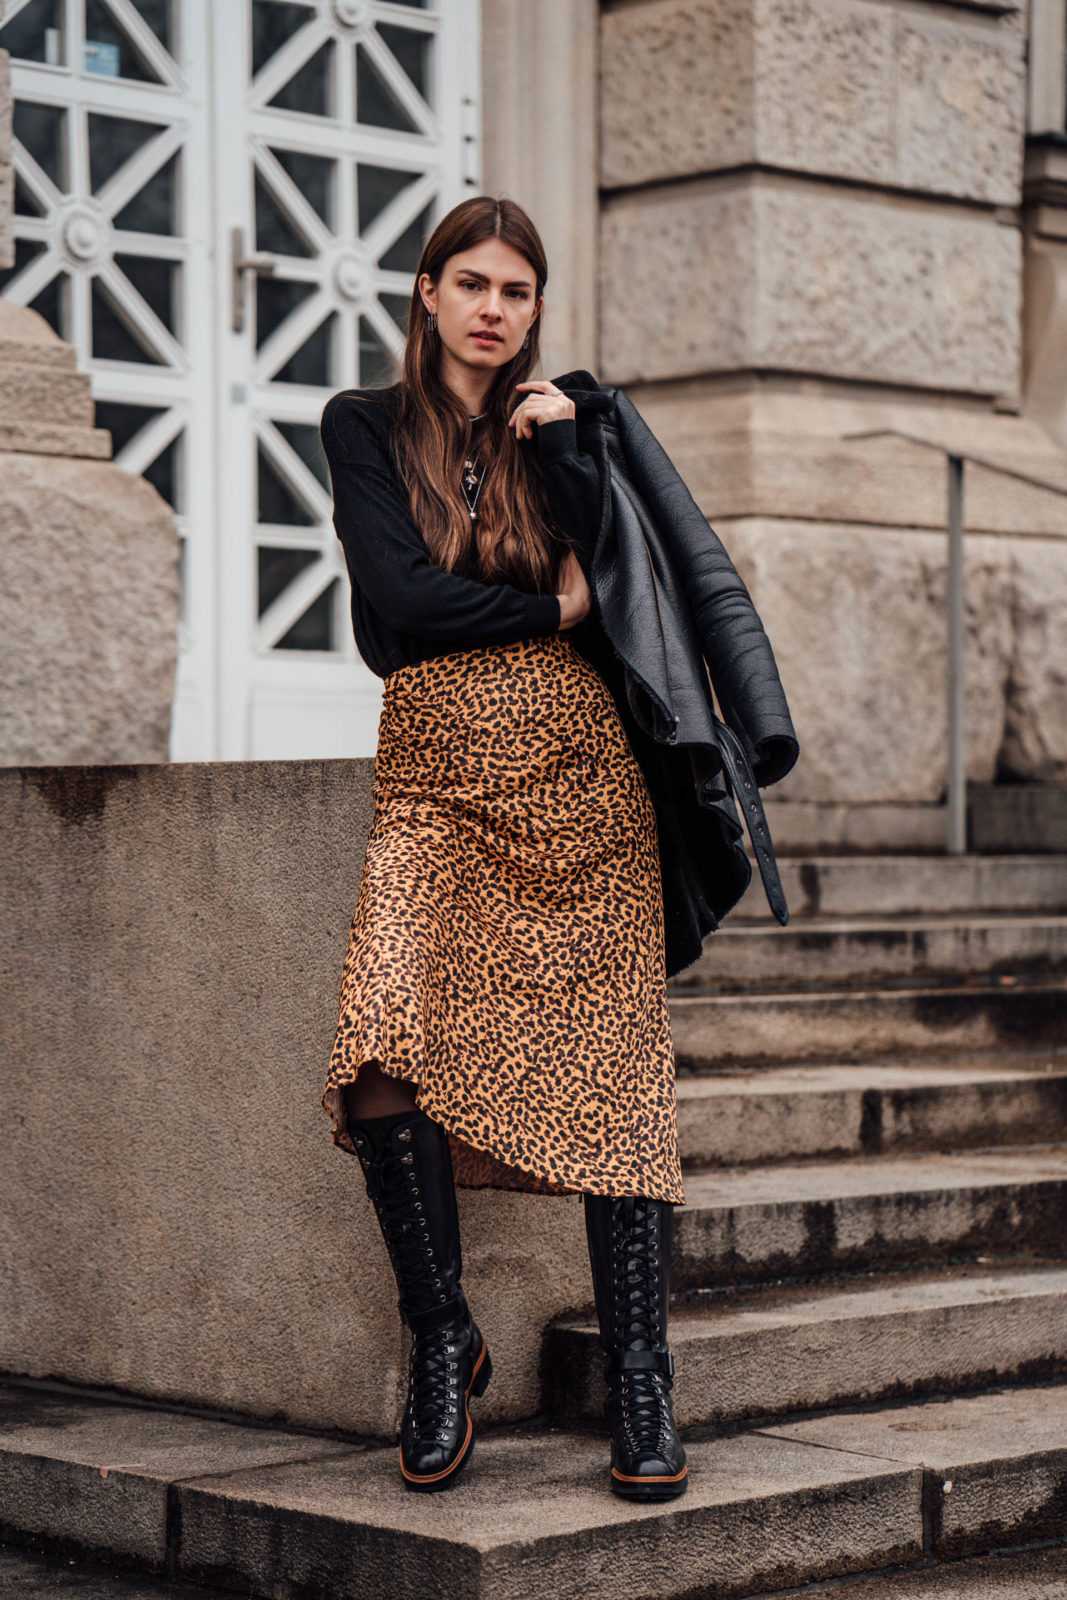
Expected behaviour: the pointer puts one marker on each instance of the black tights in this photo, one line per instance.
(375, 1094)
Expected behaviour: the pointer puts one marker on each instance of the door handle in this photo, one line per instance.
(240, 264)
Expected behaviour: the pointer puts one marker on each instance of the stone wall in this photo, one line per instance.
(810, 228)
(176, 1220)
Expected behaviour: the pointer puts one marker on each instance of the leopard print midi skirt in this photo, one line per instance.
(506, 954)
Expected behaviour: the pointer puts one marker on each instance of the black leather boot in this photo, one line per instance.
(407, 1163)
(629, 1251)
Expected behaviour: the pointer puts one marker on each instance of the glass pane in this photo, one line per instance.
(154, 209)
(403, 255)
(165, 474)
(26, 204)
(123, 421)
(26, 250)
(277, 569)
(112, 338)
(313, 176)
(376, 187)
(313, 362)
(275, 299)
(412, 50)
(311, 88)
(36, 33)
(53, 304)
(275, 499)
(375, 361)
(43, 131)
(314, 630)
(376, 105)
(398, 307)
(156, 282)
(109, 50)
(274, 231)
(273, 22)
(305, 440)
(159, 15)
(112, 141)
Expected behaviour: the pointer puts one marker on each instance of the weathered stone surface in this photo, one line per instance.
(88, 613)
(994, 1462)
(857, 620)
(533, 1516)
(826, 953)
(167, 1022)
(96, 1476)
(891, 885)
(789, 450)
(804, 1349)
(925, 103)
(1035, 728)
(1029, 1575)
(803, 1113)
(720, 1032)
(856, 1216)
(27, 1576)
(1018, 817)
(764, 272)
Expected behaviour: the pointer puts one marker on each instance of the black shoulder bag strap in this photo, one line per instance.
(747, 795)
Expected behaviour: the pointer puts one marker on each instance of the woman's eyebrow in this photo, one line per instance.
(518, 283)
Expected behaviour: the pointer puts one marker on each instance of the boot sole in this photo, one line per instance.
(434, 1482)
(637, 1488)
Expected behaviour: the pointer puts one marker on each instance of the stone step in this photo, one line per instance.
(849, 886)
(771, 1352)
(761, 1224)
(287, 1514)
(826, 952)
(777, 1114)
(719, 1032)
(1009, 1575)
(1039, 1574)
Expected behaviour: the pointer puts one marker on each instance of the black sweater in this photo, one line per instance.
(405, 608)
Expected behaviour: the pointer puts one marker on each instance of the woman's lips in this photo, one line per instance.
(487, 338)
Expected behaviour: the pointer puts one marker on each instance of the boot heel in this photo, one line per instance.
(484, 1373)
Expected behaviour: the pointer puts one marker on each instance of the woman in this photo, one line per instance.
(503, 1014)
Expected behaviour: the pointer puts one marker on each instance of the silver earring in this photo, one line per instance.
(526, 341)
(431, 321)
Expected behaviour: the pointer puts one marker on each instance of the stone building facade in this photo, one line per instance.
(779, 223)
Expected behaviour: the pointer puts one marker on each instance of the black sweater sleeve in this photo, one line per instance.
(387, 556)
(572, 484)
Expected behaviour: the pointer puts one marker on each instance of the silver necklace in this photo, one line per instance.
(470, 481)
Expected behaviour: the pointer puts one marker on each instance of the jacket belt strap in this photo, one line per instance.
(746, 792)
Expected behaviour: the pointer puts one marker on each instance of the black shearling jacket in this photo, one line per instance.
(670, 610)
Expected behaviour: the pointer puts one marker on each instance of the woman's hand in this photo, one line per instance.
(545, 404)
(573, 595)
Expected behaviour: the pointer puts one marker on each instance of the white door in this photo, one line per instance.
(221, 205)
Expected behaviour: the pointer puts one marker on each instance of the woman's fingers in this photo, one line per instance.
(545, 403)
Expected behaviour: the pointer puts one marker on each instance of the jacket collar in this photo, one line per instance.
(588, 395)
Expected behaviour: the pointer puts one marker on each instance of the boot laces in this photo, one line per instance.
(395, 1193)
(434, 1382)
(644, 1397)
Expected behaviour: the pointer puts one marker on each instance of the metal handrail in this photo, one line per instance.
(956, 840)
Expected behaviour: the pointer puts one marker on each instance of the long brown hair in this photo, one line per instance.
(517, 540)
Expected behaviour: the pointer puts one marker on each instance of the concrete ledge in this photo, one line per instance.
(178, 1223)
(778, 1351)
(1017, 1477)
(1018, 818)
(721, 1032)
(817, 1113)
(533, 1514)
(756, 1225)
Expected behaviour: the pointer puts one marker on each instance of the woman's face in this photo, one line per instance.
(484, 302)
